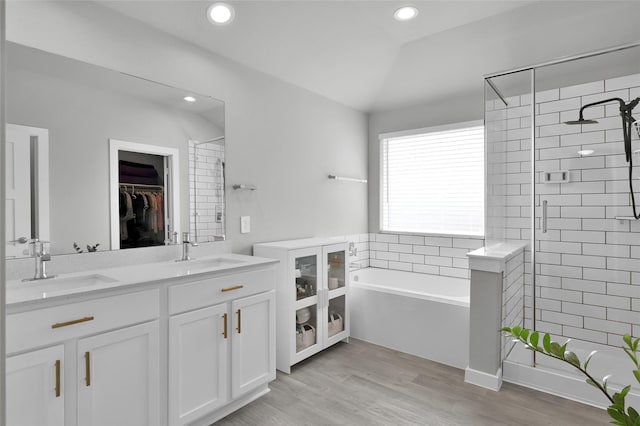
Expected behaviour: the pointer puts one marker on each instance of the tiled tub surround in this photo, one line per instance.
(441, 255)
(587, 263)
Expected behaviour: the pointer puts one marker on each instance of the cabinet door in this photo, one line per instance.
(34, 388)
(335, 313)
(118, 377)
(198, 363)
(253, 342)
(303, 328)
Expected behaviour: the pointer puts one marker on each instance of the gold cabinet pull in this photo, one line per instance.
(239, 321)
(72, 322)
(87, 368)
(235, 287)
(224, 333)
(57, 378)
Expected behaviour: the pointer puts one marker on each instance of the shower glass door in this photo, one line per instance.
(582, 265)
(587, 244)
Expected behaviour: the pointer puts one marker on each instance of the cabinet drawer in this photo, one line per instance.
(211, 291)
(45, 326)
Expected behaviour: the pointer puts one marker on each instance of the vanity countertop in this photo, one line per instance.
(65, 286)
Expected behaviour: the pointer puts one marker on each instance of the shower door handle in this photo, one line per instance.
(544, 217)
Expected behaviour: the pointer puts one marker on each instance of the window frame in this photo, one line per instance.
(431, 129)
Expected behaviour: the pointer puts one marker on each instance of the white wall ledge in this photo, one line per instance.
(494, 258)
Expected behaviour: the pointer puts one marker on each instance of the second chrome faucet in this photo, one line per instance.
(186, 243)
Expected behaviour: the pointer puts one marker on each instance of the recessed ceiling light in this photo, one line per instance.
(405, 13)
(189, 99)
(586, 152)
(220, 13)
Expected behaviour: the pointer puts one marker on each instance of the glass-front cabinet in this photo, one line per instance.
(311, 296)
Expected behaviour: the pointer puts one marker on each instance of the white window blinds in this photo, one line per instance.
(433, 182)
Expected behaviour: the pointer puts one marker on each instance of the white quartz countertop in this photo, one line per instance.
(86, 282)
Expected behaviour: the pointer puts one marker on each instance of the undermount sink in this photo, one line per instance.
(201, 265)
(64, 283)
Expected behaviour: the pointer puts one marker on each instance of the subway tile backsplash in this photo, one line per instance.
(414, 253)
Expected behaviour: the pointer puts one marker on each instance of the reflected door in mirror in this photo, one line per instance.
(27, 190)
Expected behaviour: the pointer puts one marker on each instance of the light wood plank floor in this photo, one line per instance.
(363, 384)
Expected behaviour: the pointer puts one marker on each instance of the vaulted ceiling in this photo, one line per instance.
(354, 52)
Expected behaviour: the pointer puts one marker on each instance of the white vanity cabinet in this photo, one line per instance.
(112, 378)
(312, 296)
(34, 381)
(176, 347)
(222, 352)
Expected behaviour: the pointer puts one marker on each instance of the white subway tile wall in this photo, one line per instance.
(206, 190)
(587, 263)
(512, 296)
(414, 253)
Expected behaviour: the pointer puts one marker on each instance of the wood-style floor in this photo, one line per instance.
(363, 384)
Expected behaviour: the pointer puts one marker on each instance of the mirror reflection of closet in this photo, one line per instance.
(142, 200)
(144, 206)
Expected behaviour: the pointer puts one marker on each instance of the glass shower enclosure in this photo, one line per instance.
(564, 189)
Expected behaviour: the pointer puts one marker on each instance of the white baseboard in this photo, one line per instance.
(480, 378)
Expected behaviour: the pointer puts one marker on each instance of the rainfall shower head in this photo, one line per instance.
(580, 121)
(625, 114)
(627, 122)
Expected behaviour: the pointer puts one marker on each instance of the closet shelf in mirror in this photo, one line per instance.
(140, 186)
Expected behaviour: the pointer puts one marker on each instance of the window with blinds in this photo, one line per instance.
(433, 181)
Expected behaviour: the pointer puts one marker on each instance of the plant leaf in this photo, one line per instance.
(592, 383)
(627, 339)
(631, 355)
(556, 350)
(572, 358)
(633, 414)
(524, 335)
(615, 414)
(635, 344)
(533, 339)
(546, 342)
(586, 363)
(506, 329)
(636, 373)
(625, 391)
(516, 331)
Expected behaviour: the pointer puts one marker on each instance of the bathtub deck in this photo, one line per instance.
(364, 384)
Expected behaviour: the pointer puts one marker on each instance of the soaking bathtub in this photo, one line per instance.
(419, 314)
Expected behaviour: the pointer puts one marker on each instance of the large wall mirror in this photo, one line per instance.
(97, 159)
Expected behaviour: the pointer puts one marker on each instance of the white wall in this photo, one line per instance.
(524, 36)
(279, 137)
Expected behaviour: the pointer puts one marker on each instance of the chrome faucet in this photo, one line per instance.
(39, 250)
(185, 246)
